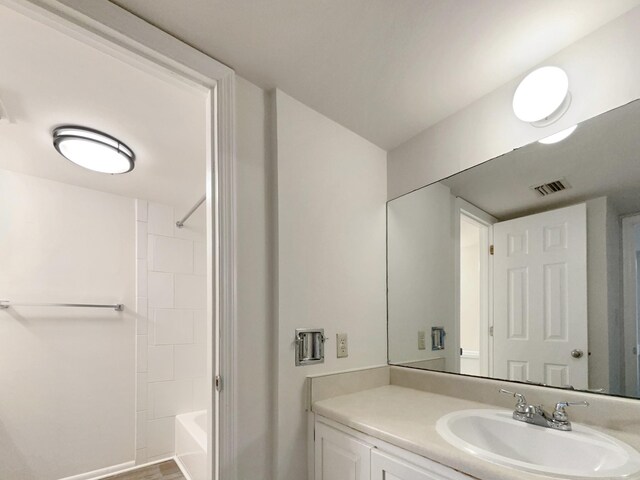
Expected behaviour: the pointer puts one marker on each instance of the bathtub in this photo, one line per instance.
(191, 444)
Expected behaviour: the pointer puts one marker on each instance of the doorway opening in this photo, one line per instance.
(474, 284)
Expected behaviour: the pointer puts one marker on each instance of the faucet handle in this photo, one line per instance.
(560, 415)
(521, 405)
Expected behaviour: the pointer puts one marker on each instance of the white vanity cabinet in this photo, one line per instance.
(339, 456)
(388, 467)
(344, 454)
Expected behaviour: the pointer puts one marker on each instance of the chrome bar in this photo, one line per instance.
(180, 223)
(118, 307)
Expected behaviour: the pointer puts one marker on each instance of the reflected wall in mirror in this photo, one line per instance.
(529, 262)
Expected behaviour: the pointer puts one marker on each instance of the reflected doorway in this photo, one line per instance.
(474, 284)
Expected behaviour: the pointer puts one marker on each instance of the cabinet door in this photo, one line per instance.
(387, 467)
(339, 456)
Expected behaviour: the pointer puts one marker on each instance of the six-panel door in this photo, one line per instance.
(540, 298)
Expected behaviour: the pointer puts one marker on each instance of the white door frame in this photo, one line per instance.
(119, 33)
(630, 305)
(462, 207)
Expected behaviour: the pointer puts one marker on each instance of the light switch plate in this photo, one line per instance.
(342, 345)
(422, 342)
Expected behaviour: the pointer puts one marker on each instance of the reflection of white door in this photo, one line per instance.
(540, 298)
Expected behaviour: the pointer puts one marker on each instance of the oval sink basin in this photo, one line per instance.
(494, 436)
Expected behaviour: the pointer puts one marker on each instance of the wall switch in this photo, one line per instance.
(342, 344)
(422, 343)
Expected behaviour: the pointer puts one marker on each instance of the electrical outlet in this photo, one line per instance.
(342, 345)
(422, 342)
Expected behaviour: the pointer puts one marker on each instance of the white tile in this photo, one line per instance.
(141, 456)
(200, 397)
(142, 314)
(160, 437)
(170, 398)
(190, 291)
(160, 363)
(150, 398)
(160, 290)
(141, 306)
(141, 210)
(141, 278)
(200, 326)
(190, 360)
(150, 251)
(200, 258)
(161, 219)
(163, 457)
(152, 327)
(173, 326)
(196, 227)
(141, 391)
(141, 430)
(167, 254)
(142, 325)
(141, 240)
(141, 356)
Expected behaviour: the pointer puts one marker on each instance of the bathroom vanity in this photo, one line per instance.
(357, 437)
(345, 451)
(518, 276)
(390, 423)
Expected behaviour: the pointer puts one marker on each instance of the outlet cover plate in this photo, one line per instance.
(342, 345)
(422, 340)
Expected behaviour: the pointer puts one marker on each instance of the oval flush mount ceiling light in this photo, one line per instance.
(542, 97)
(93, 150)
(558, 137)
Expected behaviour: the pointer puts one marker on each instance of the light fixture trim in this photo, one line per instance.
(108, 154)
(558, 137)
(543, 96)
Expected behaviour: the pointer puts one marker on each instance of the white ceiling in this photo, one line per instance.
(601, 158)
(50, 79)
(386, 69)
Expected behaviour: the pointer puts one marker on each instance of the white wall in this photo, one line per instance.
(615, 314)
(604, 73)
(420, 272)
(256, 329)
(67, 375)
(604, 243)
(597, 293)
(171, 327)
(331, 258)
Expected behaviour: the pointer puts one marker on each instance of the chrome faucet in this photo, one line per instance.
(537, 415)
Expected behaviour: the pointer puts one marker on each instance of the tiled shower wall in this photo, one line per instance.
(171, 325)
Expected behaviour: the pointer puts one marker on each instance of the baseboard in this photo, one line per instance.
(102, 473)
(182, 468)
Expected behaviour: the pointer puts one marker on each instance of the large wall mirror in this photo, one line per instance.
(525, 268)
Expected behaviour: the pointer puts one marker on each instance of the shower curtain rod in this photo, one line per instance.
(118, 307)
(180, 223)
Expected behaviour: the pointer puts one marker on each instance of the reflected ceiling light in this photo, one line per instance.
(558, 137)
(542, 97)
(93, 150)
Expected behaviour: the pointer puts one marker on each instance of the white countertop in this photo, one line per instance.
(407, 419)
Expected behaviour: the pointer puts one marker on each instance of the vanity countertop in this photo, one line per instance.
(407, 418)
